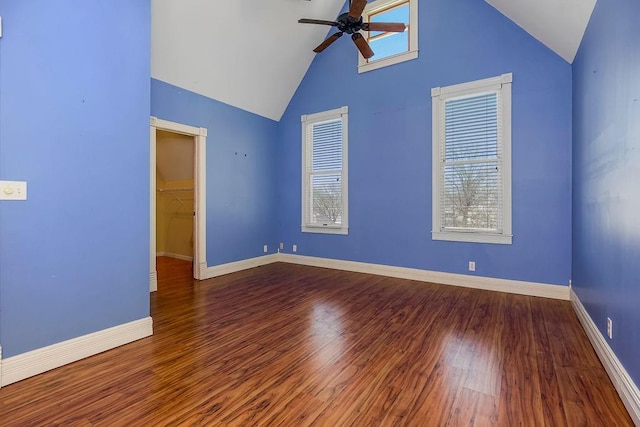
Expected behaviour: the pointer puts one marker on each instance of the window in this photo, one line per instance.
(390, 48)
(324, 172)
(472, 161)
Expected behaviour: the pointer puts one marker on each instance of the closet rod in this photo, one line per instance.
(162, 190)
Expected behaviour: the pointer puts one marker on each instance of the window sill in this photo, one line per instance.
(500, 239)
(325, 230)
(391, 60)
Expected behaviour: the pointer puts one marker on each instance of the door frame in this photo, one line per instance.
(199, 203)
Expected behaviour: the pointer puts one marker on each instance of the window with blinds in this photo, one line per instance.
(471, 167)
(324, 198)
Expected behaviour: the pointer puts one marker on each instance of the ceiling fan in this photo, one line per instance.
(351, 23)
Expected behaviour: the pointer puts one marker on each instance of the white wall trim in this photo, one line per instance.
(35, 362)
(176, 256)
(153, 281)
(232, 267)
(477, 282)
(153, 273)
(626, 388)
(464, 280)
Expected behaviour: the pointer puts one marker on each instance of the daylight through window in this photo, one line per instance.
(471, 170)
(391, 48)
(386, 44)
(324, 198)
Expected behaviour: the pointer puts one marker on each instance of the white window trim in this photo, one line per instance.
(412, 53)
(438, 97)
(338, 113)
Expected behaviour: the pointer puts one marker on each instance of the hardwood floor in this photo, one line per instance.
(292, 345)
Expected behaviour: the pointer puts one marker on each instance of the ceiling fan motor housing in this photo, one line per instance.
(349, 25)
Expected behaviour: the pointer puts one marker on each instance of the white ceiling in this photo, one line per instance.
(253, 54)
(559, 24)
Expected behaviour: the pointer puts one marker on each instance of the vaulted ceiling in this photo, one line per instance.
(559, 24)
(253, 54)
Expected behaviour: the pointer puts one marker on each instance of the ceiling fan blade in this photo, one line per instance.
(356, 8)
(317, 21)
(393, 27)
(362, 45)
(325, 44)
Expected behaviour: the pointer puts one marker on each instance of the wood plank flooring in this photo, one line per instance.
(296, 346)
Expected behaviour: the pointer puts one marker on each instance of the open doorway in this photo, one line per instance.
(177, 199)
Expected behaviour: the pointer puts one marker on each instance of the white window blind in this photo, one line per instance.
(324, 181)
(471, 191)
(472, 161)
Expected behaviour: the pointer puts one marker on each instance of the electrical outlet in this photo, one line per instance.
(295, 248)
(281, 245)
(609, 328)
(472, 266)
(264, 249)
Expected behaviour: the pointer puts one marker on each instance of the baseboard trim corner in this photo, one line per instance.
(44, 359)
(464, 280)
(232, 267)
(624, 385)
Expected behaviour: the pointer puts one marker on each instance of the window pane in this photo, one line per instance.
(471, 196)
(388, 44)
(326, 195)
(395, 14)
(392, 44)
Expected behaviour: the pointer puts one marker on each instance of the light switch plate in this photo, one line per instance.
(13, 190)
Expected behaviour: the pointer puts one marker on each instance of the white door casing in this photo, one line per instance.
(199, 246)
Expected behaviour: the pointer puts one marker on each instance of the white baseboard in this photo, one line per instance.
(232, 267)
(621, 380)
(35, 362)
(468, 281)
(476, 282)
(176, 256)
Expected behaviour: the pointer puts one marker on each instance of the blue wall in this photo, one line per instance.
(241, 181)
(74, 108)
(606, 175)
(390, 148)
(74, 79)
